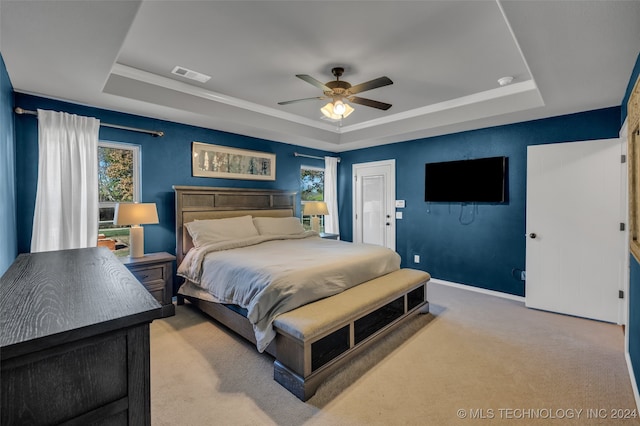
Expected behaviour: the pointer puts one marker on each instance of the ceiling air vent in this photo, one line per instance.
(193, 75)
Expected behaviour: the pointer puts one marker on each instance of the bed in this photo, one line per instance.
(327, 324)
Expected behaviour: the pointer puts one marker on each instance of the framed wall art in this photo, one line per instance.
(218, 161)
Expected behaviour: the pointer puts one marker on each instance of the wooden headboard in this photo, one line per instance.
(203, 202)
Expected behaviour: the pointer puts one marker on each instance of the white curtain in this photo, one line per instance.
(66, 212)
(331, 222)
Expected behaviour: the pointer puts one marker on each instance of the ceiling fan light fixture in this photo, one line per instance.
(338, 107)
(347, 110)
(327, 110)
(339, 91)
(336, 110)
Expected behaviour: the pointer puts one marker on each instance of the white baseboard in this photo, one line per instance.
(632, 377)
(478, 290)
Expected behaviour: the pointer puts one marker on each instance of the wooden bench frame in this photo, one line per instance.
(294, 367)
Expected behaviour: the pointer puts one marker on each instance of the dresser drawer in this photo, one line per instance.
(67, 381)
(149, 273)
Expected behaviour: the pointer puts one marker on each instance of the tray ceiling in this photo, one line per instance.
(444, 57)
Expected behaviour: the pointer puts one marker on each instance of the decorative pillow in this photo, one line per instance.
(278, 225)
(214, 230)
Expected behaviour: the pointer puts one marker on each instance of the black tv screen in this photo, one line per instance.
(481, 180)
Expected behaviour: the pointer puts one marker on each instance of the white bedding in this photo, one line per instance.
(272, 274)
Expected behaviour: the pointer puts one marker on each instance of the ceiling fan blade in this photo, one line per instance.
(369, 102)
(313, 82)
(372, 84)
(301, 100)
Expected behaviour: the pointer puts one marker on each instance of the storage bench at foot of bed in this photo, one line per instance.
(314, 340)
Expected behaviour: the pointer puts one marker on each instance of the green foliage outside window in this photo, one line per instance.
(312, 184)
(115, 175)
(311, 189)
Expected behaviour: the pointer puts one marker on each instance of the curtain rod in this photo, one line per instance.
(156, 133)
(297, 154)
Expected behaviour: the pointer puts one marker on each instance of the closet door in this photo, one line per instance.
(575, 248)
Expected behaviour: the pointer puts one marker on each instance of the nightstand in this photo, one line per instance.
(155, 272)
(329, 236)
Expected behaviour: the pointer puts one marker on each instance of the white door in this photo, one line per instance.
(374, 203)
(575, 249)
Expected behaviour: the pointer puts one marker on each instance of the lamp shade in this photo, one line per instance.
(315, 208)
(135, 214)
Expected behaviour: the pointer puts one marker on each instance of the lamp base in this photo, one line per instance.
(136, 241)
(315, 223)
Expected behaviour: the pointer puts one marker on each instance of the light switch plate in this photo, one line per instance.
(398, 215)
(400, 204)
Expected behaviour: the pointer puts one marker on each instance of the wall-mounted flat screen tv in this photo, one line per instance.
(482, 180)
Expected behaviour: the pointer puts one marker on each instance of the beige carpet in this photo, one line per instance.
(475, 359)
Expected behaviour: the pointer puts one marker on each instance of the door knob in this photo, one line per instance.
(532, 235)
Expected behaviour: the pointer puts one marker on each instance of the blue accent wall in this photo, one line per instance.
(166, 161)
(481, 245)
(8, 231)
(634, 272)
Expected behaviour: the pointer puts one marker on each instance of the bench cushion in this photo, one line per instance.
(313, 319)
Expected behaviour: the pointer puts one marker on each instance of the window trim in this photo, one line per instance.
(137, 172)
(633, 154)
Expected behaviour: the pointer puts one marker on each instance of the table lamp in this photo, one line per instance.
(135, 214)
(315, 209)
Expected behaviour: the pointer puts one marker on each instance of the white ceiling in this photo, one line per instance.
(444, 58)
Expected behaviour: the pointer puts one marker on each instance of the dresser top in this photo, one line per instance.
(53, 297)
(147, 258)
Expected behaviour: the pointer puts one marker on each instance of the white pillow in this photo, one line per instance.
(214, 230)
(278, 225)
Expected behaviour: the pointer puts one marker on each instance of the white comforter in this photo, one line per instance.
(270, 275)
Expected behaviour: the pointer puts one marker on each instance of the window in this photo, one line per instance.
(118, 181)
(311, 189)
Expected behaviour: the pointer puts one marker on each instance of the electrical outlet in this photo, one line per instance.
(416, 258)
(523, 275)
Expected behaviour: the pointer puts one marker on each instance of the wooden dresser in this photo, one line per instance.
(155, 272)
(74, 347)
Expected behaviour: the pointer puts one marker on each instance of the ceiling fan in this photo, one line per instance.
(339, 90)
